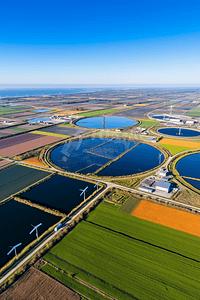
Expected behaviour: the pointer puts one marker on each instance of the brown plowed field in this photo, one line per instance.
(168, 216)
(4, 162)
(26, 146)
(35, 285)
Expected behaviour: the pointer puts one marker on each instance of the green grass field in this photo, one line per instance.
(18, 128)
(129, 205)
(97, 112)
(148, 123)
(194, 111)
(175, 149)
(129, 257)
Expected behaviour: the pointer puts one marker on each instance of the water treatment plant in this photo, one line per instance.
(97, 182)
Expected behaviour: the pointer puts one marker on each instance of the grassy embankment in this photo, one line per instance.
(178, 177)
(129, 257)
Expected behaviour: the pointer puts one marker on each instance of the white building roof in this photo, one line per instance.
(163, 184)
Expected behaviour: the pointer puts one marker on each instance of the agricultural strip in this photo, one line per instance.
(176, 146)
(168, 216)
(16, 178)
(181, 143)
(50, 134)
(194, 111)
(13, 141)
(15, 224)
(72, 283)
(4, 162)
(27, 146)
(148, 123)
(64, 130)
(34, 161)
(97, 112)
(129, 257)
(130, 205)
(36, 285)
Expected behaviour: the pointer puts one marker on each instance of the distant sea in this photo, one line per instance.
(25, 92)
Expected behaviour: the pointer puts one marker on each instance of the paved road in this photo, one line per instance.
(43, 243)
(108, 185)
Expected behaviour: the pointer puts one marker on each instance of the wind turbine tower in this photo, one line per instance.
(14, 248)
(159, 158)
(36, 229)
(96, 185)
(171, 109)
(83, 192)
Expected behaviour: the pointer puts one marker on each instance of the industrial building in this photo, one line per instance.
(163, 186)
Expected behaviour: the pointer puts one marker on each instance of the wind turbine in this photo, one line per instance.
(179, 131)
(14, 248)
(171, 108)
(83, 192)
(36, 229)
(159, 158)
(96, 185)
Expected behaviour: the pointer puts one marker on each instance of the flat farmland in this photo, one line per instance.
(64, 130)
(16, 178)
(34, 285)
(168, 216)
(15, 224)
(27, 146)
(4, 162)
(129, 257)
(176, 146)
(50, 134)
(22, 138)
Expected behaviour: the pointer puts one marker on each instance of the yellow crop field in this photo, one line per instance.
(167, 216)
(181, 143)
(141, 104)
(50, 134)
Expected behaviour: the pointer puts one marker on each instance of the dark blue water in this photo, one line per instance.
(77, 155)
(15, 224)
(110, 122)
(160, 117)
(142, 158)
(60, 192)
(195, 183)
(21, 92)
(188, 166)
(174, 131)
(39, 120)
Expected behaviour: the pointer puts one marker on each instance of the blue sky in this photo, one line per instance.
(100, 42)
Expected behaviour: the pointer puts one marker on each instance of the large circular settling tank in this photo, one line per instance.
(106, 122)
(179, 132)
(90, 155)
(187, 166)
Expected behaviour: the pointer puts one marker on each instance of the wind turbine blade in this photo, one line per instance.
(86, 188)
(32, 230)
(10, 251)
(82, 193)
(38, 225)
(18, 245)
